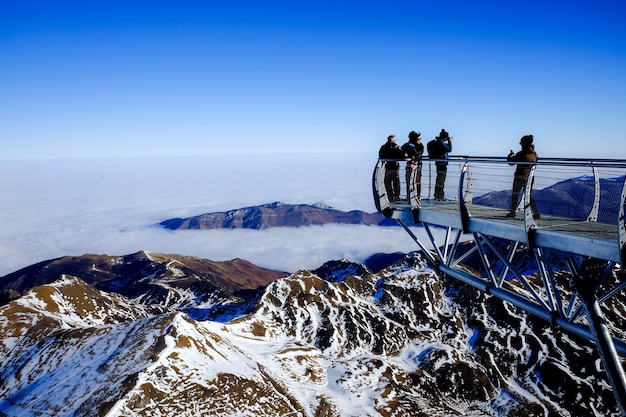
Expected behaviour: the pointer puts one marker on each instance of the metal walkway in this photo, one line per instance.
(577, 239)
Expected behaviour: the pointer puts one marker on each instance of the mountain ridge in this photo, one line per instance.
(276, 214)
(340, 340)
(149, 277)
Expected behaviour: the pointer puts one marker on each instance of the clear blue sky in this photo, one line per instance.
(142, 78)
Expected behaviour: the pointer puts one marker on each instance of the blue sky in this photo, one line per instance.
(139, 78)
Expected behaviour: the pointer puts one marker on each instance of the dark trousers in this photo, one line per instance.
(392, 184)
(414, 178)
(442, 171)
(519, 181)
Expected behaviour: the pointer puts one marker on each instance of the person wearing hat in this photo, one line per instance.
(444, 141)
(413, 149)
(526, 155)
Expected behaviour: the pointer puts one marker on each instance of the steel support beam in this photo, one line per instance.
(527, 305)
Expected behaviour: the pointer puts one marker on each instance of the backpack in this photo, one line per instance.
(435, 150)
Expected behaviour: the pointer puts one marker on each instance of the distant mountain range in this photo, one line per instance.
(150, 334)
(571, 198)
(276, 214)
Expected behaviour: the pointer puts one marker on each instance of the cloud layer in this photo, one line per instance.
(53, 208)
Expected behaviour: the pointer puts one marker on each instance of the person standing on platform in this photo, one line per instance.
(391, 150)
(438, 149)
(527, 154)
(413, 149)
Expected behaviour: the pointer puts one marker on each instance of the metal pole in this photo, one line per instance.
(604, 342)
(425, 250)
(527, 305)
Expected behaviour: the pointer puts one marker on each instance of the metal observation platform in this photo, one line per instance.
(568, 225)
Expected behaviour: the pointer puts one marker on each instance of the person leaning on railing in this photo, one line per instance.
(527, 154)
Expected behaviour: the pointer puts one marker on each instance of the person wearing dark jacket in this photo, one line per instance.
(526, 155)
(413, 150)
(391, 150)
(444, 141)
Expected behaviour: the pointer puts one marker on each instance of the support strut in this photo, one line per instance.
(585, 288)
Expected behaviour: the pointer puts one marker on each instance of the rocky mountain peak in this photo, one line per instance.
(341, 340)
(147, 276)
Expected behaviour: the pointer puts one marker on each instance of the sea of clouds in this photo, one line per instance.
(54, 208)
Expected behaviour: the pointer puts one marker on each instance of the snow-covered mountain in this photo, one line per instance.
(341, 340)
(170, 280)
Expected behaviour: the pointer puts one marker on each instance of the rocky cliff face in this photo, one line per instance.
(337, 341)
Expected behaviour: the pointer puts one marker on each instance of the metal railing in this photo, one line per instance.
(416, 182)
(567, 195)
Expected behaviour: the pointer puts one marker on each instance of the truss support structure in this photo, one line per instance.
(576, 245)
(563, 304)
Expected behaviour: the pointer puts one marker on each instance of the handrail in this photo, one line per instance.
(600, 162)
(567, 191)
